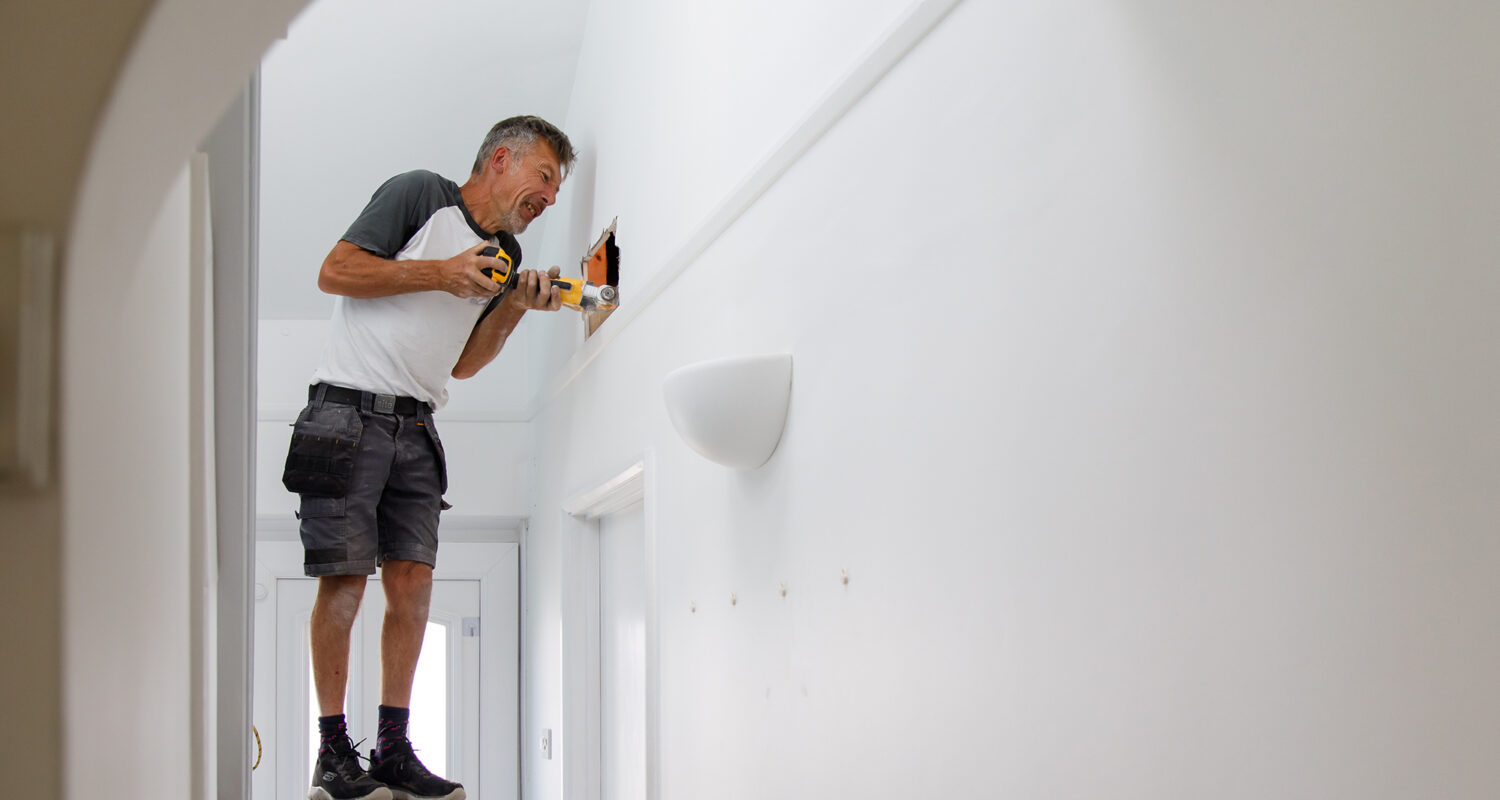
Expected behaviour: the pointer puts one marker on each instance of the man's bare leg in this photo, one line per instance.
(408, 596)
(338, 774)
(332, 620)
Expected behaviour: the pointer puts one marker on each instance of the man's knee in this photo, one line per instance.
(338, 599)
(408, 586)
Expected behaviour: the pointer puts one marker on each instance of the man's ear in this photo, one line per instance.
(500, 159)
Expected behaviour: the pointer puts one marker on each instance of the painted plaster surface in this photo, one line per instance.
(1143, 391)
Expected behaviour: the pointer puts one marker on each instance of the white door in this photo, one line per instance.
(622, 654)
(445, 716)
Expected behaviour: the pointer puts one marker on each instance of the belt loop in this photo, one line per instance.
(322, 391)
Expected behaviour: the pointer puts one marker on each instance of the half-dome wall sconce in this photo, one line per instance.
(731, 410)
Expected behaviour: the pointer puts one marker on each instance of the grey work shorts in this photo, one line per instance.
(395, 490)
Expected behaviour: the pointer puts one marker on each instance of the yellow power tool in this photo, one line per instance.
(577, 294)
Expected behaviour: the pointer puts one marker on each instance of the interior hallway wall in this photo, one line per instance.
(28, 586)
(153, 563)
(124, 367)
(1144, 386)
(661, 144)
(41, 158)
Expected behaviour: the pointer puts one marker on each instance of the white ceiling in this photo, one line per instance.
(361, 90)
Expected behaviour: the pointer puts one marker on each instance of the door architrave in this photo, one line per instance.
(578, 525)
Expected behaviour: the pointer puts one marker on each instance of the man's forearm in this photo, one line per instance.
(354, 272)
(487, 339)
(532, 290)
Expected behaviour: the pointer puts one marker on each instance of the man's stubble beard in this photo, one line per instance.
(513, 222)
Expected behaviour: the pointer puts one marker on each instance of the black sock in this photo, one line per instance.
(392, 728)
(331, 729)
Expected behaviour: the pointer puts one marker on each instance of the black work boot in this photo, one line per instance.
(408, 779)
(338, 775)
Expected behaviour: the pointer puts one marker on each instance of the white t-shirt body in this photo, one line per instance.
(407, 344)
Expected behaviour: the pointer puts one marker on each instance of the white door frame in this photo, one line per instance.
(233, 151)
(581, 674)
(499, 656)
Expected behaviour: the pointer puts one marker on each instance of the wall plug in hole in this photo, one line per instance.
(782, 588)
(733, 600)
(844, 576)
(692, 608)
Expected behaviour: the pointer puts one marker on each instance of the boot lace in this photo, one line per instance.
(346, 758)
(414, 764)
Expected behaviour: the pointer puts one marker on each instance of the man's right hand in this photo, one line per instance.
(462, 277)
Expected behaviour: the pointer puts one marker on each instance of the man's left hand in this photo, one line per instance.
(534, 291)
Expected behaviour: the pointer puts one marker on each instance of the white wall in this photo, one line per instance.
(150, 566)
(1143, 387)
(674, 102)
(124, 372)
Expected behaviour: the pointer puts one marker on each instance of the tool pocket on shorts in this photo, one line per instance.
(321, 457)
(314, 507)
(425, 421)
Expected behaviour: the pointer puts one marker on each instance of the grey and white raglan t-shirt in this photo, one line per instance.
(407, 344)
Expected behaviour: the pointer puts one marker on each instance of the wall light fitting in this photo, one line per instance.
(731, 410)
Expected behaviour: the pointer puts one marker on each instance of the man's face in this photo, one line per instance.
(527, 186)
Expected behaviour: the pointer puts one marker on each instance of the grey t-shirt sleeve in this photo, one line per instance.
(397, 210)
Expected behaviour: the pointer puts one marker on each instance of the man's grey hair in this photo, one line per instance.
(519, 135)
